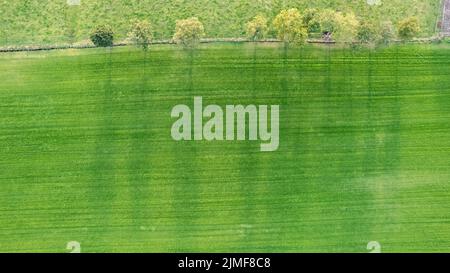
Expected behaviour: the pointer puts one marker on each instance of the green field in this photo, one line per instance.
(86, 152)
(53, 21)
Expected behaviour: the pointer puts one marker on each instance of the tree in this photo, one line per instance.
(367, 33)
(257, 28)
(328, 21)
(102, 36)
(141, 33)
(343, 27)
(188, 32)
(289, 27)
(387, 31)
(408, 28)
(311, 20)
(347, 27)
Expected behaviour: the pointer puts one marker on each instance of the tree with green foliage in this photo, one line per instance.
(311, 20)
(188, 32)
(289, 27)
(102, 36)
(141, 33)
(387, 32)
(367, 33)
(257, 28)
(328, 21)
(408, 28)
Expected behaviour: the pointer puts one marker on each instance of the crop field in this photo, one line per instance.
(86, 153)
(53, 21)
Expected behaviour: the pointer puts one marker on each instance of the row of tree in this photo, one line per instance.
(188, 33)
(290, 26)
(293, 26)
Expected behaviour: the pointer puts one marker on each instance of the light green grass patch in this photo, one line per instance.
(87, 156)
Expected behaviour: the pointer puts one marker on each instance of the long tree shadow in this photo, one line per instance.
(251, 164)
(382, 138)
(102, 188)
(187, 174)
(139, 166)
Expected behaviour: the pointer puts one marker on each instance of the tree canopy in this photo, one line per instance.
(257, 28)
(141, 33)
(367, 33)
(188, 32)
(408, 28)
(289, 27)
(102, 36)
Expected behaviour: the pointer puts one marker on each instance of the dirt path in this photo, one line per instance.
(446, 18)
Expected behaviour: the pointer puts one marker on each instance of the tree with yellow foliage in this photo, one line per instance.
(289, 27)
(141, 33)
(257, 28)
(408, 28)
(342, 27)
(188, 32)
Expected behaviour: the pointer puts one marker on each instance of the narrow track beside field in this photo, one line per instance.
(446, 18)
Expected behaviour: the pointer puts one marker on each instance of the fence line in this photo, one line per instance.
(169, 41)
(126, 43)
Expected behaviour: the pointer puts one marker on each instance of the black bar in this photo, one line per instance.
(222, 262)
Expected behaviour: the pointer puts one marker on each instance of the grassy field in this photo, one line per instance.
(52, 21)
(86, 152)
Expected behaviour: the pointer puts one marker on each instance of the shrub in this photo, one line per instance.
(257, 28)
(408, 28)
(289, 27)
(102, 36)
(188, 32)
(141, 33)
